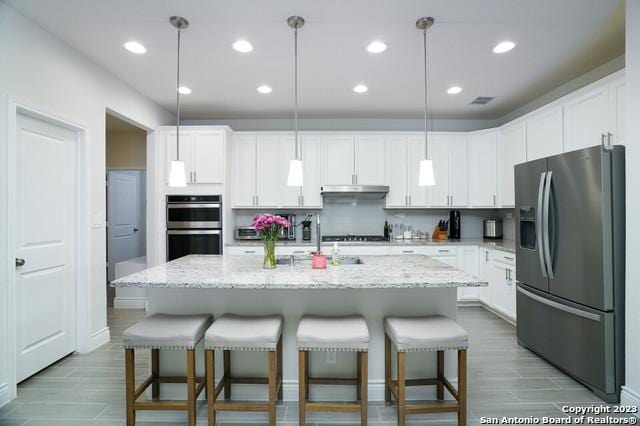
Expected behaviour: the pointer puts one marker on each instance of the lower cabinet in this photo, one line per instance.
(467, 260)
(484, 272)
(503, 289)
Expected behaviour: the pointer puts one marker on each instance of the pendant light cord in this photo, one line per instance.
(295, 88)
(178, 102)
(426, 137)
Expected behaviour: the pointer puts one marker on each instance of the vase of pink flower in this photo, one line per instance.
(269, 228)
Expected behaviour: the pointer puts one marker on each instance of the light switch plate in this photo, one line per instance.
(332, 357)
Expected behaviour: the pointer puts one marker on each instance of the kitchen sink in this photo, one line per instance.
(288, 260)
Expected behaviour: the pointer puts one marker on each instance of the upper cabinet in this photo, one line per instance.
(311, 151)
(617, 102)
(202, 151)
(586, 118)
(449, 153)
(354, 160)
(483, 179)
(513, 150)
(403, 154)
(544, 133)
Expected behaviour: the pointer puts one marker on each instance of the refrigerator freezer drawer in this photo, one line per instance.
(578, 340)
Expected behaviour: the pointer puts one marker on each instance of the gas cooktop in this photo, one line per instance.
(352, 237)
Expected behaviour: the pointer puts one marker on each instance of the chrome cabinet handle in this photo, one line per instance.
(407, 251)
(20, 262)
(409, 199)
(508, 258)
(494, 200)
(249, 251)
(195, 176)
(486, 256)
(443, 251)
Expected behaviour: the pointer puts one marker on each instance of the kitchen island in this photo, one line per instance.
(375, 287)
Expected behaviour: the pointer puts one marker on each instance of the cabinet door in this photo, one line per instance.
(397, 160)
(268, 160)
(415, 153)
(483, 180)
(484, 272)
(288, 196)
(458, 171)
(369, 160)
(513, 147)
(451, 260)
(208, 157)
(467, 260)
(617, 103)
(311, 154)
(439, 154)
(244, 170)
(500, 288)
(585, 119)
(339, 160)
(511, 284)
(544, 134)
(186, 152)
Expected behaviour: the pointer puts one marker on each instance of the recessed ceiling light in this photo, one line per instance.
(454, 90)
(184, 90)
(376, 47)
(264, 89)
(360, 88)
(242, 46)
(504, 46)
(135, 47)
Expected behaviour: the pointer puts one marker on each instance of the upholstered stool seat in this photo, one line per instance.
(348, 333)
(243, 333)
(162, 331)
(423, 334)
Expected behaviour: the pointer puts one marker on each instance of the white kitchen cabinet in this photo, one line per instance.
(311, 150)
(339, 160)
(244, 171)
(544, 133)
(617, 103)
(201, 150)
(503, 284)
(483, 179)
(403, 156)
(484, 273)
(449, 153)
(267, 168)
(586, 118)
(369, 160)
(288, 196)
(513, 150)
(439, 154)
(467, 260)
(417, 195)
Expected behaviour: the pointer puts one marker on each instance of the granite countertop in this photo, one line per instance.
(503, 245)
(246, 272)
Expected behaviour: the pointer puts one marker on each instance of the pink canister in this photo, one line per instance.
(318, 261)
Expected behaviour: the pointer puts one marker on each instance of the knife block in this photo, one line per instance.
(438, 234)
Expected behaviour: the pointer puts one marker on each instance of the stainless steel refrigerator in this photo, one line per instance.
(570, 230)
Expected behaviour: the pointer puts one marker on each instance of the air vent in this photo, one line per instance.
(482, 100)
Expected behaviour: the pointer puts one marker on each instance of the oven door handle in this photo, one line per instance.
(189, 206)
(194, 232)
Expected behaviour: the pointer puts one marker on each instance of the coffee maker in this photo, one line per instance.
(455, 224)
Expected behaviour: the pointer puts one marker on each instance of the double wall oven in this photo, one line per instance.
(194, 225)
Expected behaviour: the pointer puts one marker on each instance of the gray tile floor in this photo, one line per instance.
(504, 380)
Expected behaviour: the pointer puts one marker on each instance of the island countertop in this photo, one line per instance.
(246, 272)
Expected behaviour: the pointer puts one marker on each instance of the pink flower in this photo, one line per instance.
(269, 226)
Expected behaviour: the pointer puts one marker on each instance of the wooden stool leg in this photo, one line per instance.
(130, 379)
(358, 374)
(302, 386)
(462, 388)
(387, 368)
(401, 388)
(210, 368)
(279, 355)
(227, 374)
(191, 386)
(440, 375)
(272, 388)
(363, 385)
(155, 371)
(307, 370)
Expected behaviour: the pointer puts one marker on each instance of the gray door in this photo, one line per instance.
(529, 180)
(579, 233)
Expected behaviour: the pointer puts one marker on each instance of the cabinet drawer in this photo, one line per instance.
(441, 251)
(359, 250)
(249, 250)
(504, 257)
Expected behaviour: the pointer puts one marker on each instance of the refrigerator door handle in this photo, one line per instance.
(539, 225)
(559, 306)
(545, 225)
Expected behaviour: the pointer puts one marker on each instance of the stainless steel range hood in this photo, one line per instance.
(371, 192)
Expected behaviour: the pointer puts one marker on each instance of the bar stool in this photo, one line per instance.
(243, 333)
(333, 334)
(418, 334)
(162, 331)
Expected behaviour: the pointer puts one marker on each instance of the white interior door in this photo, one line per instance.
(45, 244)
(125, 216)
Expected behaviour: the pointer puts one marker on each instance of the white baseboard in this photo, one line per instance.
(469, 302)
(498, 313)
(4, 394)
(130, 303)
(630, 397)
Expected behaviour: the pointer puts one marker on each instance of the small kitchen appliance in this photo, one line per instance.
(455, 224)
(492, 228)
(306, 228)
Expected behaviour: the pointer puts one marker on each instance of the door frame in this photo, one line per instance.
(84, 337)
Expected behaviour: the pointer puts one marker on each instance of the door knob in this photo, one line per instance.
(19, 262)
(135, 229)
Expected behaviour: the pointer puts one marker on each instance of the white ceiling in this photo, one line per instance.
(556, 41)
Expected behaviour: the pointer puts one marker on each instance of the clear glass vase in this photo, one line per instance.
(269, 254)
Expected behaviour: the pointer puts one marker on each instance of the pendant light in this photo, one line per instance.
(425, 177)
(177, 175)
(295, 177)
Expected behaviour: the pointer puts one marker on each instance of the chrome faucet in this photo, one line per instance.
(318, 233)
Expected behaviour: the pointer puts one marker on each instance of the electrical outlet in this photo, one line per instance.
(509, 215)
(332, 357)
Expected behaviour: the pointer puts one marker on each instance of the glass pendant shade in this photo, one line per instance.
(295, 173)
(426, 177)
(177, 176)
